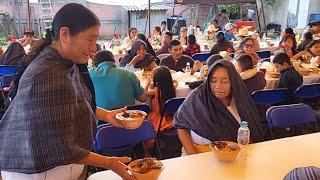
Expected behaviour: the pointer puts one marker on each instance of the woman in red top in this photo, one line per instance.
(192, 47)
(163, 91)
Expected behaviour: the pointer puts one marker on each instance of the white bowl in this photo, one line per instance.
(131, 122)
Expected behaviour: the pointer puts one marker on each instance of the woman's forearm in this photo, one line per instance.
(98, 160)
(185, 138)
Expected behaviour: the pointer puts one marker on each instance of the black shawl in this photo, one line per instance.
(207, 116)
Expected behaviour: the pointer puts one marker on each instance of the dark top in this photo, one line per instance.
(256, 82)
(208, 117)
(178, 65)
(164, 49)
(221, 46)
(49, 122)
(290, 79)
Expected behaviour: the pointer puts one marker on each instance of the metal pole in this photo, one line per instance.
(29, 19)
(149, 17)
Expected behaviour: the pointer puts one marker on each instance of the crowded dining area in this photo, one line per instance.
(229, 97)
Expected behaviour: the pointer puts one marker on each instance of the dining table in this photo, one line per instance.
(264, 161)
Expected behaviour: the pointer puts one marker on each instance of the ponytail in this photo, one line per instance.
(35, 51)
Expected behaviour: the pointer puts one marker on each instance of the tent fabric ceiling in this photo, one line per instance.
(213, 1)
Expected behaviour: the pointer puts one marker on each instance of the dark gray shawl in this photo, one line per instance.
(49, 122)
(304, 173)
(148, 59)
(204, 114)
(13, 54)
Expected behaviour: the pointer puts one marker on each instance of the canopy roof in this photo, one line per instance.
(213, 1)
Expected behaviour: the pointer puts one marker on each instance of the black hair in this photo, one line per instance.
(220, 36)
(312, 43)
(289, 31)
(131, 29)
(286, 37)
(223, 11)
(169, 34)
(212, 59)
(243, 42)
(102, 56)
(28, 32)
(281, 58)
(164, 23)
(163, 80)
(174, 43)
(65, 17)
(245, 62)
(307, 36)
(216, 20)
(158, 29)
(98, 47)
(191, 39)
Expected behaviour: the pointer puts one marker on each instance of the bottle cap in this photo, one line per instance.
(244, 124)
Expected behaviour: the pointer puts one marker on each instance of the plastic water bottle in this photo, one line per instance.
(243, 138)
(188, 69)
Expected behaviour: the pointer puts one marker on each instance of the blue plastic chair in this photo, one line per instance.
(170, 107)
(308, 91)
(142, 107)
(264, 60)
(7, 70)
(110, 139)
(201, 56)
(286, 116)
(5, 81)
(264, 54)
(270, 96)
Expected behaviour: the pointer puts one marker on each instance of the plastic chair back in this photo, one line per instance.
(110, 138)
(308, 91)
(270, 96)
(201, 56)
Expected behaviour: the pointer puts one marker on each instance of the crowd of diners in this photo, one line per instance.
(49, 127)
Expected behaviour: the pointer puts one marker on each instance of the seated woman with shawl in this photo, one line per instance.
(138, 57)
(214, 110)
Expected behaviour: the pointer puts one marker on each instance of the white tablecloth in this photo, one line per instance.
(272, 83)
(266, 160)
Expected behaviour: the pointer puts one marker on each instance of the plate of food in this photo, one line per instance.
(146, 169)
(131, 119)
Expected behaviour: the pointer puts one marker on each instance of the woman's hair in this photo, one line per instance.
(244, 40)
(312, 43)
(65, 17)
(131, 29)
(163, 80)
(142, 37)
(289, 31)
(286, 37)
(158, 29)
(213, 58)
(191, 39)
(245, 62)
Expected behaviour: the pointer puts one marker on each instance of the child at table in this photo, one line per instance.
(163, 90)
(289, 76)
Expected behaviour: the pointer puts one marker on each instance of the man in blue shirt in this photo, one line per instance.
(229, 32)
(115, 87)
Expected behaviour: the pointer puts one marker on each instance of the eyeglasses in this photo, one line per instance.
(249, 45)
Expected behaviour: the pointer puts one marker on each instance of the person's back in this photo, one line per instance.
(291, 79)
(256, 82)
(114, 86)
(252, 79)
(289, 76)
